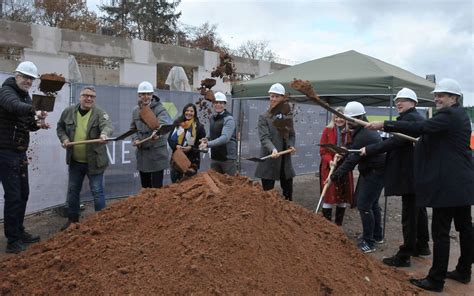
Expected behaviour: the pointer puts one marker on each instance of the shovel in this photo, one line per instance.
(339, 150)
(147, 115)
(326, 186)
(262, 159)
(162, 130)
(121, 137)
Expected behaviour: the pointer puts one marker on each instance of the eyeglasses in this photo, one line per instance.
(26, 76)
(219, 102)
(88, 96)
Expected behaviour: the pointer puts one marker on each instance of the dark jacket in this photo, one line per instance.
(193, 155)
(223, 140)
(99, 124)
(361, 137)
(444, 173)
(17, 117)
(271, 138)
(152, 156)
(399, 171)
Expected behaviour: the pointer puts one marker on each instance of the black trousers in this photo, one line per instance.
(286, 184)
(414, 226)
(152, 180)
(440, 227)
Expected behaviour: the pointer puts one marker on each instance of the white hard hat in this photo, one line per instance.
(277, 88)
(448, 85)
(28, 69)
(406, 93)
(354, 109)
(145, 87)
(220, 97)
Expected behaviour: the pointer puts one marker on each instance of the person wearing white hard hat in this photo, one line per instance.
(84, 121)
(17, 120)
(400, 181)
(222, 138)
(370, 183)
(276, 133)
(444, 175)
(152, 156)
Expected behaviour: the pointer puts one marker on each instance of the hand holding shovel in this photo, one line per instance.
(162, 130)
(327, 182)
(274, 154)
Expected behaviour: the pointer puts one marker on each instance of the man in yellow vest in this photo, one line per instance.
(84, 121)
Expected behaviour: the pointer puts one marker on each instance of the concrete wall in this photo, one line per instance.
(138, 57)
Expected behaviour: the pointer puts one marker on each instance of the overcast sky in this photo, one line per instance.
(421, 36)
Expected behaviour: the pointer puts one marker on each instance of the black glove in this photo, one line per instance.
(336, 177)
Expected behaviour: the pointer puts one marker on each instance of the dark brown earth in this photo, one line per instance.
(210, 235)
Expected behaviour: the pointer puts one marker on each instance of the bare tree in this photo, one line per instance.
(203, 37)
(17, 11)
(256, 49)
(67, 14)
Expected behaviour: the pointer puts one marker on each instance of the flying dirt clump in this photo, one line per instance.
(209, 235)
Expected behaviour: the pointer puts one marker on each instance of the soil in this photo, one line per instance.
(211, 234)
(51, 83)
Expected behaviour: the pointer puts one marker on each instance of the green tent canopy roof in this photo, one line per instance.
(343, 77)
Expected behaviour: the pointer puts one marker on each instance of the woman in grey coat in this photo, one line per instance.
(152, 156)
(276, 133)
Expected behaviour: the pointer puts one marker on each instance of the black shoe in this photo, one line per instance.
(427, 284)
(422, 252)
(15, 247)
(459, 277)
(28, 238)
(397, 261)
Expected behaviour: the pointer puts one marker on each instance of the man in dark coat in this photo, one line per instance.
(444, 176)
(276, 133)
(399, 181)
(17, 119)
(370, 182)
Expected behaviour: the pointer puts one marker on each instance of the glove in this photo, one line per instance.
(335, 177)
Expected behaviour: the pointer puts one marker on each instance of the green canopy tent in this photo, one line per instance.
(343, 77)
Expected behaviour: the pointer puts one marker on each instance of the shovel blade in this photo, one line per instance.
(164, 129)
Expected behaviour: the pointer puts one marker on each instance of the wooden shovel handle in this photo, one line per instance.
(326, 186)
(403, 136)
(84, 142)
(146, 139)
(278, 154)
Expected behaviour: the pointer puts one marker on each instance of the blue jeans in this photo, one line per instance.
(368, 205)
(14, 178)
(77, 173)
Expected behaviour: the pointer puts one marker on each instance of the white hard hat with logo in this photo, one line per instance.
(406, 93)
(277, 88)
(27, 68)
(353, 109)
(220, 97)
(448, 85)
(145, 87)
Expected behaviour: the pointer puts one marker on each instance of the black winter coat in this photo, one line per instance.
(361, 137)
(399, 171)
(444, 172)
(17, 117)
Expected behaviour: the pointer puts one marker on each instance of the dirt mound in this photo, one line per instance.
(210, 235)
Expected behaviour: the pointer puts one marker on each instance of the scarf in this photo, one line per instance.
(185, 133)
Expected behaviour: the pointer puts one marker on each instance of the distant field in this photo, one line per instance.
(379, 117)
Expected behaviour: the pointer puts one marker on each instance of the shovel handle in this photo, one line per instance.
(326, 186)
(146, 139)
(278, 154)
(403, 136)
(84, 142)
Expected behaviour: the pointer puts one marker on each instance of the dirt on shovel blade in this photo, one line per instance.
(147, 115)
(51, 83)
(209, 235)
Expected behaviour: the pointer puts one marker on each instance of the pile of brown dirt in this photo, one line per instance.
(209, 235)
(51, 83)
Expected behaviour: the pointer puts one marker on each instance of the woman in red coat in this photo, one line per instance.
(338, 193)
